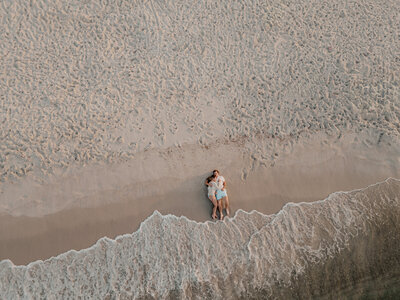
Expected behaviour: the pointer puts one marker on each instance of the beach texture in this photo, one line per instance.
(349, 237)
(99, 82)
(112, 110)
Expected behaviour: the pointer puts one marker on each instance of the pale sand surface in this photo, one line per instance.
(309, 172)
(112, 110)
(86, 82)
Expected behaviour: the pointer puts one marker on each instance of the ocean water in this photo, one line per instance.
(346, 246)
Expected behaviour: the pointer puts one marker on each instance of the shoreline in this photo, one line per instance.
(310, 172)
(370, 210)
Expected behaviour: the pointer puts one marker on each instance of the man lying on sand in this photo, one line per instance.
(221, 191)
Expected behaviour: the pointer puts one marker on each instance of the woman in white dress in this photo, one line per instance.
(212, 187)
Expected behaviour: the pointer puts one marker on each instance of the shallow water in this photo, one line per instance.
(346, 246)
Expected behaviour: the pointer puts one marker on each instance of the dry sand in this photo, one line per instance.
(110, 111)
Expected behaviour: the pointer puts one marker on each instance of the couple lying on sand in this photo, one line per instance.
(217, 194)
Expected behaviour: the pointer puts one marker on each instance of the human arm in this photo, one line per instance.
(220, 184)
(223, 186)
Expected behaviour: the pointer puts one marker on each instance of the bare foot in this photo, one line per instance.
(221, 217)
(214, 216)
(227, 211)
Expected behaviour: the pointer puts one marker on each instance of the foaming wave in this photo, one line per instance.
(339, 246)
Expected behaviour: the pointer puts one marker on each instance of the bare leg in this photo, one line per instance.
(214, 202)
(221, 215)
(226, 204)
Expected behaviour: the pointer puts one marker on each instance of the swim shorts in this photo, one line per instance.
(221, 194)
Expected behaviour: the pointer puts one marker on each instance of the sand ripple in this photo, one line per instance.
(86, 81)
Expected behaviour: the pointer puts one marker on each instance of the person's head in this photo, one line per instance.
(210, 178)
(216, 173)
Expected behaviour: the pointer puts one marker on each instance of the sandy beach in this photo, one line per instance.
(111, 111)
(123, 195)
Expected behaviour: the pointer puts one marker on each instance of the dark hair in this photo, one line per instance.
(209, 178)
(215, 171)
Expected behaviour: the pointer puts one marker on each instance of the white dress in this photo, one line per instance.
(212, 188)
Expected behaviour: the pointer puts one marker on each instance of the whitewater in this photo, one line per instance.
(339, 246)
(114, 111)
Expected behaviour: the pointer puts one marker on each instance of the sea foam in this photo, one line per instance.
(305, 250)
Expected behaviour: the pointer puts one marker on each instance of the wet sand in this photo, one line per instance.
(311, 172)
(112, 110)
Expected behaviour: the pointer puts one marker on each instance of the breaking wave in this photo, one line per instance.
(346, 245)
